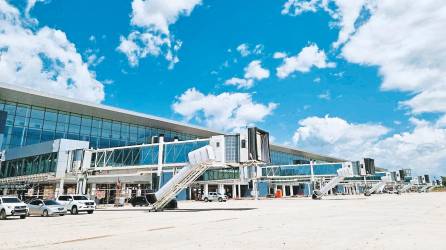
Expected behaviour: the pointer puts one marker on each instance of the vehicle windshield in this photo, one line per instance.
(80, 198)
(50, 202)
(11, 200)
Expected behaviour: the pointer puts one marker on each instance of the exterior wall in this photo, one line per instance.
(26, 124)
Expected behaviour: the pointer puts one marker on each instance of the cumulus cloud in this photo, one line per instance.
(406, 42)
(345, 13)
(43, 59)
(245, 50)
(150, 35)
(308, 57)
(225, 111)
(423, 148)
(253, 71)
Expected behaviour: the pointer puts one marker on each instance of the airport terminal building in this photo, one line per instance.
(43, 139)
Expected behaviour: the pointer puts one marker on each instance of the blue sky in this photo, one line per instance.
(349, 101)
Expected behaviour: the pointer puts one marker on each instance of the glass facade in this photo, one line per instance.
(282, 158)
(39, 164)
(232, 151)
(135, 156)
(27, 125)
(220, 174)
(319, 169)
(178, 152)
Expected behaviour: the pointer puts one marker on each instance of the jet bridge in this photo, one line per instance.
(377, 186)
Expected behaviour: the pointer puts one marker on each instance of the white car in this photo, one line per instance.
(77, 203)
(214, 196)
(46, 208)
(12, 206)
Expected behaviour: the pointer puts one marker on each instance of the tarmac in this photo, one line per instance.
(386, 221)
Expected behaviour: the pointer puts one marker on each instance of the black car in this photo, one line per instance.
(139, 201)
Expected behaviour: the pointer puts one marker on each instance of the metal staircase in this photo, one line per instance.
(199, 161)
(426, 188)
(378, 186)
(406, 187)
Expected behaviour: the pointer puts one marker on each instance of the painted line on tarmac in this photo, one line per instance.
(159, 228)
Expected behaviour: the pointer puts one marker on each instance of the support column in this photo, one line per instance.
(221, 189)
(234, 191)
(59, 188)
(206, 189)
(5, 191)
(291, 190)
(239, 191)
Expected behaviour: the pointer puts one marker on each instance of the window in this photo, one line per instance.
(243, 143)
(63, 198)
(35, 202)
(79, 198)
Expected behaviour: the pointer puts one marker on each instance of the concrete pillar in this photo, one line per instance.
(221, 189)
(291, 190)
(234, 191)
(138, 191)
(239, 191)
(93, 190)
(206, 189)
(5, 191)
(59, 188)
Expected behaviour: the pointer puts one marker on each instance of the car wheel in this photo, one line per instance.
(61, 214)
(74, 210)
(23, 216)
(90, 212)
(220, 199)
(45, 213)
(133, 205)
(206, 199)
(3, 215)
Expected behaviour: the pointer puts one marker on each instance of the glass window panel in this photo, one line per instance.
(133, 129)
(20, 121)
(75, 119)
(35, 123)
(106, 124)
(116, 126)
(33, 136)
(23, 110)
(74, 129)
(106, 133)
(51, 115)
(63, 117)
(10, 108)
(37, 112)
(85, 130)
(95, 131)
(96, 123)
(47, 135)
(62, 127)
(9, 119)
(49, 125)
(86, 121)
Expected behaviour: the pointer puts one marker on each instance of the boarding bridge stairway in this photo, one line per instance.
(342, 173)
(406, 187)
(426, 188)
(377, 186)
(199, 161)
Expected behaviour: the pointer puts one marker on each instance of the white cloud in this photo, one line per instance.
(344, 12)
(43, 59)
(240, 82)
(225, 111)
(325, 96)
(245, 51)
(279, 55)
(151, 35)
(308, 57)
(253, 71)
(404, 40)
(423, 149)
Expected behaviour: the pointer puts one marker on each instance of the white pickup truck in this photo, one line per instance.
(77, 203)
(12, 206)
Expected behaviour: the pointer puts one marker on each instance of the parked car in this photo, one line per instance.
(46, 208)
(77, 203)
(214, 196)
(12, 206)
(139, 201)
